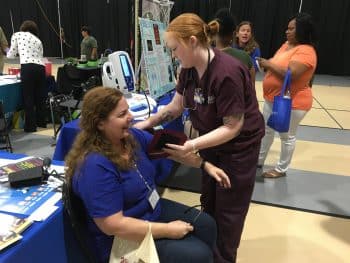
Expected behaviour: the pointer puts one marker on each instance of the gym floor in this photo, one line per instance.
(278, 235)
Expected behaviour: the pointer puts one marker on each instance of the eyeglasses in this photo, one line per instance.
(198, 213)
(184, 101)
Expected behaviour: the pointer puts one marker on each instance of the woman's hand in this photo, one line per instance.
(192, 159)
(178, 229)
(178, 151)
(218, 174)
(263, 63)
(184, 154)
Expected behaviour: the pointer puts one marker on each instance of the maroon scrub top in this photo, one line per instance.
(225, 89)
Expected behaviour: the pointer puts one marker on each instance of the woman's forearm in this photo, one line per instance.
(170, 112)
(275, 69)
(190, 159)
(135, 229)
(130, 228)
(296, 68)
(229, 130)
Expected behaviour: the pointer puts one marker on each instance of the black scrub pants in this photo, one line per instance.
(33, 88)
(229, 207)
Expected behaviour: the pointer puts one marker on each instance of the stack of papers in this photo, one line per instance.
(8, 79)
(10, 229)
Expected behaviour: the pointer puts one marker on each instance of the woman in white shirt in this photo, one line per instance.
(28, 46)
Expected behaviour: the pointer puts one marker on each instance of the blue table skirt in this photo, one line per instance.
(51, 240)
(65, 139)
(11, 96)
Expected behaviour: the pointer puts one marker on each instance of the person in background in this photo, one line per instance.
(245, 41)
(224, 39)
(28, 46)
(217, 91)
(112, 157)
(299, 55)
(88, 46)
(3, 49)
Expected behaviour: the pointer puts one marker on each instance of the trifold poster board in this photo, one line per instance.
(157, 64)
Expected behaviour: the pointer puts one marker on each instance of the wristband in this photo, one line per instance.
(202, 164)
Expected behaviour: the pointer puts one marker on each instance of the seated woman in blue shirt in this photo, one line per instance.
(110, 171)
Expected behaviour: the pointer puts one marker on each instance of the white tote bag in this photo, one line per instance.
(126, 251)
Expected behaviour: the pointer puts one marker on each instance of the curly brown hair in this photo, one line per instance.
(98, 103)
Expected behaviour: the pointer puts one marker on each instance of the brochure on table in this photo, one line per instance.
(10, 229)
(36, 201)
(24, 200)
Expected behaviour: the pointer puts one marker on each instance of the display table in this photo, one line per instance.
(10, 95)
(65, 139)
(51, 240)
(71, 129)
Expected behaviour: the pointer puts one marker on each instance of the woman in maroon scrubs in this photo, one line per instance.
(217, 91)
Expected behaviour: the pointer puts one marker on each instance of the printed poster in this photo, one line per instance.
(157, 63)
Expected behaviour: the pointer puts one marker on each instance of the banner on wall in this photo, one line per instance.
(157, 65)
(157, 10)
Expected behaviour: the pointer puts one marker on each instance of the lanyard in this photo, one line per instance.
(143, 179)
(204, 90)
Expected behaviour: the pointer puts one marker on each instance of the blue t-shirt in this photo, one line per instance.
(105, 190)
(255, 53)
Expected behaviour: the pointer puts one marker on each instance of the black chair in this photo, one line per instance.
(62, 105)
(68, 91)
(4, 131)
(69, 78)
(75, 214)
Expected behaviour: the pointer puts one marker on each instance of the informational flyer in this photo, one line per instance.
(24, 200)
(157, 60)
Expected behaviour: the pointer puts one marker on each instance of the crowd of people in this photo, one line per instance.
(216, 85)
(27, 45)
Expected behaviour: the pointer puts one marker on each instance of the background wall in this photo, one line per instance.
(111, 22)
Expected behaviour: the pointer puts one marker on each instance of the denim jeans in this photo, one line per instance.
(288, 139)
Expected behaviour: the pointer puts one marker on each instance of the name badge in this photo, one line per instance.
(153, 198)
(198, 96)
